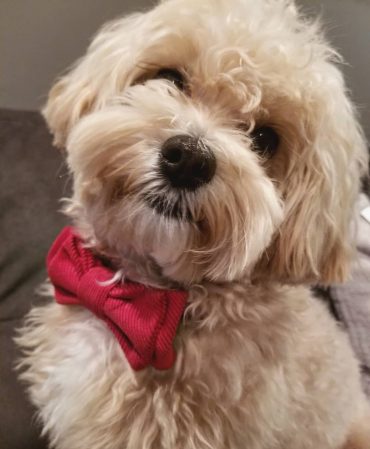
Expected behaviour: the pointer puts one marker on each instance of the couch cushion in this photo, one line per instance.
(352, 299)
(31, 183)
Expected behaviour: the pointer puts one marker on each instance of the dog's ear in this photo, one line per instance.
(69, 99)
(103, 71)
(314, 243)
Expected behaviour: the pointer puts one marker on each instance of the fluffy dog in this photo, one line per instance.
(213, 147)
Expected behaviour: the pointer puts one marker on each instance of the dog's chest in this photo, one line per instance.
(213, 394)
(225, 390)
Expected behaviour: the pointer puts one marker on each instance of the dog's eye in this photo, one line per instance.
(265, 140)
(172, 75)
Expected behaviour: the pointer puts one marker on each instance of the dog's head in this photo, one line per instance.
(215, 138)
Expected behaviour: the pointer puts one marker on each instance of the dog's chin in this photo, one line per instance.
(181, 235)
(176, 239)
(171, 208)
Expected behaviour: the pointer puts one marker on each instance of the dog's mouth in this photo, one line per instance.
(170, 207)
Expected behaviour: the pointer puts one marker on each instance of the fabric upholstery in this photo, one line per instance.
(32, 179)
(352, 299)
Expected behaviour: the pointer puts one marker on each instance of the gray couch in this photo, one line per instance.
(31, 182)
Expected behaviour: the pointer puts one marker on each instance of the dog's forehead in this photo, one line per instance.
(236, 37)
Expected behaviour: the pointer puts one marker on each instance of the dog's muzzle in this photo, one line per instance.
(186, 162)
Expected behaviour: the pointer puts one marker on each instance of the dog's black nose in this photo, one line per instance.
(187, 162)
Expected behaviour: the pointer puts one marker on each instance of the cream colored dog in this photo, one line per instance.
(249, 93)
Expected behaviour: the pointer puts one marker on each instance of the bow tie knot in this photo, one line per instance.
(143, 319)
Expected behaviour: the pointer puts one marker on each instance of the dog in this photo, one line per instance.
(214, 151)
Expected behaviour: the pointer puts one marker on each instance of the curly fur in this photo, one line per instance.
(260, 364)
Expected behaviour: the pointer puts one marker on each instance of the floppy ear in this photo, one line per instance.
(314, 242)
(69, 99)
(104, 70)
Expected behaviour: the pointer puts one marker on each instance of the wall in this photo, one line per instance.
(40, 38)
(347, 25)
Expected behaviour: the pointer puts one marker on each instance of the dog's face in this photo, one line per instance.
(214, 138)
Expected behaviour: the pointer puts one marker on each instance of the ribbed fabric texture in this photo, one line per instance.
(143, 319)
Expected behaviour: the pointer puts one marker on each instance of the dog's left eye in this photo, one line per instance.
(172, 75)
(265, 140)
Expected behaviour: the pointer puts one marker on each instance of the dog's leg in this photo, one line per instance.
(359, 437)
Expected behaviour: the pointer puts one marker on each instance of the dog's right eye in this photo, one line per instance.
(265, 141)
(173, 75)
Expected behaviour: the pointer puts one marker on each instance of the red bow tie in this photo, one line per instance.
(143, 319)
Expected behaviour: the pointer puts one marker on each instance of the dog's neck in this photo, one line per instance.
(127, 264)
(137, 268)
(208, 302)
(145, 271)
